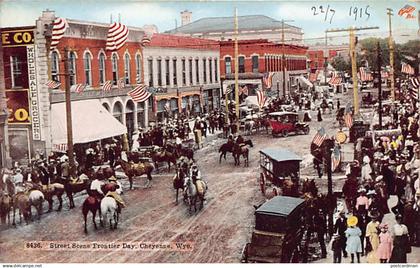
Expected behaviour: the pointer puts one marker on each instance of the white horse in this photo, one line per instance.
(193, 193)
(36, 199)
(249, 126)
(109, 206)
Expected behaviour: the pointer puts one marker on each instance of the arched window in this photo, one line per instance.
(127, 68)
(114, 68)
(55, 67)
(72, 68)
(228, 65)
(241, 64)
(138, 69)
(88, 69)
(102, 76)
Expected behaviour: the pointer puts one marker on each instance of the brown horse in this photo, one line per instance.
(241, 150)
(134, 170)
(91, 204)
(164, 156)
(21, 202)
(6, 203)
(309, 186)
(49, 191)
(72, 188)
(178, 181)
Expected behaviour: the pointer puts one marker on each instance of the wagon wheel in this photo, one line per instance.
(306, 130)
(262, 183)
(285, 133)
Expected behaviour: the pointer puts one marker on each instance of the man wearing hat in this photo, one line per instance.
(350, 191)
(115, 191)
(340, 227)
(18, 177)
(96, 186)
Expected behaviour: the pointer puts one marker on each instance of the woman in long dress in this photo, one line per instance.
(401, 242)
(385, 245)
(354, 244)
(372, 240)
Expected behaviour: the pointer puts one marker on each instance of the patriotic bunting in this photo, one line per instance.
(407, 69)
(139, 94)
(348, 118)
(107, 86)
(335, 79)
(59, 28)
(78, 88)
(313, 77)
(268, 79)
(243, 90)
(51, 84)
(364, 76)
(261, 98)
(415, 82)
(117, 36)
(335, 158)
(145, 41)
(121, 83)
(319, 137)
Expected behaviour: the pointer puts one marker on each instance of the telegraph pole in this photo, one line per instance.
(68, 114)
(391, 53)
(283, 60)
(326, 57)
(351, 31)
(379, 62)
(236, 68)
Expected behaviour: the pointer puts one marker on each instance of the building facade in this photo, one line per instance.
(249, 27)
(4, 137)
(317, 55)
(183, 73)
(256, 57)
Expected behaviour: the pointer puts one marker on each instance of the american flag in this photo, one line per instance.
(314, 76)
(51, 84)
(335, 79)
(121, 83)
(348, 118)
(139, 93)
(406, 68)
(407, 9)
(415, 82)
(243, 90)
(59, 27)
(78, 88)
(384, 74)
(364, 76)
(319, 137)
(261, 99)
(268, 79)
(117, 36)
(107, 86)
(335, 158)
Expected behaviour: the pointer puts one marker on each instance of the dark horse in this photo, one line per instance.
(91, 204)
(73, 188)
(179, 179)
(164, 156)
(225, 148)
(241, 150)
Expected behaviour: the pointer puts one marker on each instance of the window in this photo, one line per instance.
(102, 68)
(205, 71)
(228, 64)
(55, 66)
(167, 72)
(184, 75)
(175, 73)
(190, 65)
(159, 72)
(114, 68)
(16, 71)
(88, 69)
(255, 64)
(197, 72)
(72, 68)
(241, 62)
(127, 68)
(138, 69)
(215, 71)
(211, 70)
(150, 65)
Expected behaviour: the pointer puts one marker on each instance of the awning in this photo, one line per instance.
(90, 120)
(305, 81)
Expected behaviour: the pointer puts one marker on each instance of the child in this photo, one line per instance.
(385, 244)
(336, 248)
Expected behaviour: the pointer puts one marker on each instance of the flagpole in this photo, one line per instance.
(236, 69)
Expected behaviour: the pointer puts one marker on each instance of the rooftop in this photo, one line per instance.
(226, 24)
(168, 40)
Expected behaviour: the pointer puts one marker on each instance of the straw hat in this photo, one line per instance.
(379, 178)
(371, 192)
(352, 221)
(112, 178)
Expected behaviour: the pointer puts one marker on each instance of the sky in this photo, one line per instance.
(311, 16)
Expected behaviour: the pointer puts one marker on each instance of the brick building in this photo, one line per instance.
(4, 137)
(256, 57)
(316, 55)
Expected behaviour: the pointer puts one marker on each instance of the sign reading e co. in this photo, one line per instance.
(15, 38)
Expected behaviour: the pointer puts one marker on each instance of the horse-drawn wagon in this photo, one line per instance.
(278, 231)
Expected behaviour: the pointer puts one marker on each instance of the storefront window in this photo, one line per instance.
(55, 66)
(102, 68)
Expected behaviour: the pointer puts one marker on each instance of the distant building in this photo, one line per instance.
(250, 27)
(316, 55)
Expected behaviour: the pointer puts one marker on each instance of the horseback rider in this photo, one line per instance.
(96, 187)
(195, 173)
(115, 191)
(240, 140)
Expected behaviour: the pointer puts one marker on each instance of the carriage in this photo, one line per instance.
(276, 165)
(278, 232)
(284, 123)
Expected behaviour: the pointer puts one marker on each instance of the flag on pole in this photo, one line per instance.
(51, 84)
(59, 28)
(335, 79)
(117, 36)
(139, 93)
(406, 68)
(319, 137)
(261, 99)
(268, 79)
(78, 88)
(107, 86)
(121, 83)
(348, 118)
(335, 158)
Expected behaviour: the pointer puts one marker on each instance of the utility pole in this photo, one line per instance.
(326, 58)
(379, 62)
(351, 31)
(283, 60)
(391, 53)
(329, 146)
(68, 114)
(236, 69)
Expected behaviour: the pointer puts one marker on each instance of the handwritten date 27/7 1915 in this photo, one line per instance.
(328, 12)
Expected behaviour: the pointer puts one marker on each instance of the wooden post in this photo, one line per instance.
(68, 114)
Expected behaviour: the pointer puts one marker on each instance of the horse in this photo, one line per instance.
(109, 206)
(240, 150)
(91, 204)
(164, 156)
(6, 203)
(21, 202)
(36, 199)
(195, 192)
(187, 152)
(179, 180)
(72, 188)
(309, 186)
(249, 126)
(134, 170)
(225, 148)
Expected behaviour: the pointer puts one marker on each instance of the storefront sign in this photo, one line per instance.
(17, 38)
(18, 107)
(33, 93)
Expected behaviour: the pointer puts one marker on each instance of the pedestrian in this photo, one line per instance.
(354, 244)
(336, 248)
(372, 237)
(385, 244)
(362, 202)
(319, 115)
(340, 227)
(318, 166)
(338, 104)
(401, 242)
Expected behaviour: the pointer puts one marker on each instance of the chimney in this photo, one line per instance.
(185, 17)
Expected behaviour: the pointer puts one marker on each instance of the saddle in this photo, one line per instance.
(47, 188)
(117, 198)
(201, 187)
(138, 166)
